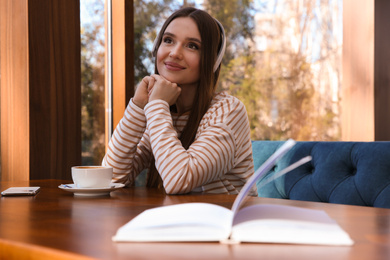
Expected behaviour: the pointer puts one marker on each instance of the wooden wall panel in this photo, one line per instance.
(366, 71)
(41, 88)
(382, 70)
(55, 88)
(358, 71)
(14, 91)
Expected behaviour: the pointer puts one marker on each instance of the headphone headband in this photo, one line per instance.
(221, 51)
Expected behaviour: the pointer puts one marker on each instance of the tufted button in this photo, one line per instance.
(353, 170)
(309, 168)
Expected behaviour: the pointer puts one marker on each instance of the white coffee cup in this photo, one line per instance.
(92, 176)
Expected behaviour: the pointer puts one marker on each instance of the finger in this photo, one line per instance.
(151, 84)
(155, 76)
(159, 78)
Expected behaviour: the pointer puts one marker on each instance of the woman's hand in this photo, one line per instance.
(141, 96)
(163, 89)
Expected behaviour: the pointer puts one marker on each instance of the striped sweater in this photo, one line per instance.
(218, 161)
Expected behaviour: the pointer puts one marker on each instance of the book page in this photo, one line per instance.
(181, 222)
(264, 168)
(287, 224)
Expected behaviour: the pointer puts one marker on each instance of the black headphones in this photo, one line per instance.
(221, 51)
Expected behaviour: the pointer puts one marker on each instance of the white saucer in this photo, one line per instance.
(90, 191)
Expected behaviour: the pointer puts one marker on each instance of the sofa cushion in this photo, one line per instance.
(355, 173)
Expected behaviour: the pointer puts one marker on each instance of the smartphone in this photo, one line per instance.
(21, 191)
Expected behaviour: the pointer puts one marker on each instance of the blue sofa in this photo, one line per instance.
(355, 173)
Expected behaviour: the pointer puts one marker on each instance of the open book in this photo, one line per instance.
(260, 223)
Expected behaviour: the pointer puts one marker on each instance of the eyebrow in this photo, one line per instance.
(189, 39)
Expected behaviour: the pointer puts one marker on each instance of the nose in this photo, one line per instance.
(176, 52)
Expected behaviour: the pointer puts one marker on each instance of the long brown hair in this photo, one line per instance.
(211, 42)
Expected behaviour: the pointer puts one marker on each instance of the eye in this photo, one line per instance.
(167, 40)
(193, 46)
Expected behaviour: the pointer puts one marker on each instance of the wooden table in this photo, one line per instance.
(56, 225)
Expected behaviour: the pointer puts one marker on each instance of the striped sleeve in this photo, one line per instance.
(231, 112)
(128, 151)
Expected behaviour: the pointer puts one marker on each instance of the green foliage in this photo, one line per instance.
(238, 21)
(281, 84)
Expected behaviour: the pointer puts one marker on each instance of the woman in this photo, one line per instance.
(176, 125)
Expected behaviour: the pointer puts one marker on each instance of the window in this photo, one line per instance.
(92, 81)
(283, 60)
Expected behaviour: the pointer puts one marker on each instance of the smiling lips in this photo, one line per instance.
(173, 66)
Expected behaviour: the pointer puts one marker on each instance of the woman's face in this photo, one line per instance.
(178, 56)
